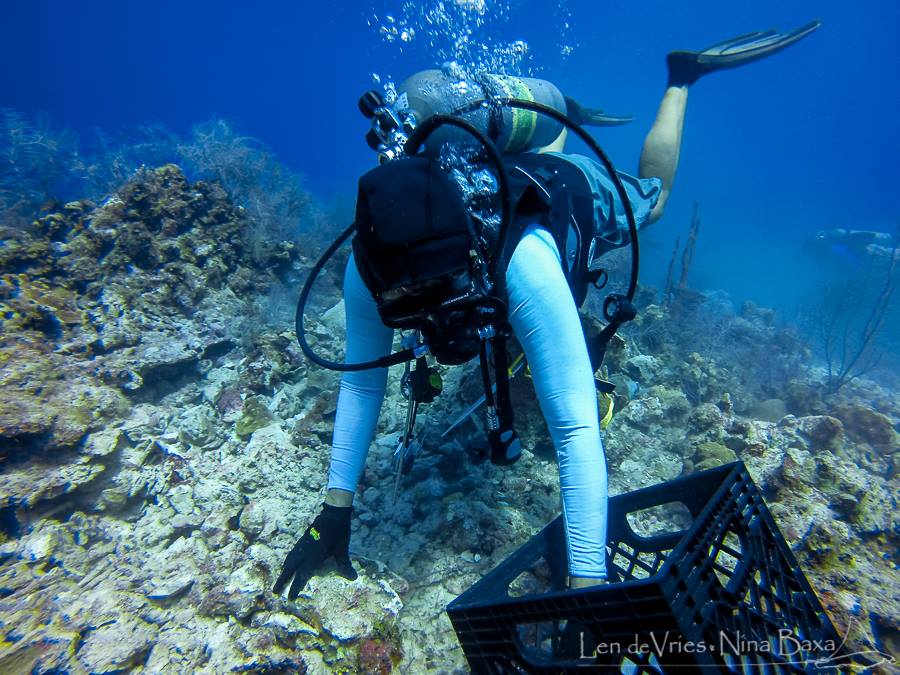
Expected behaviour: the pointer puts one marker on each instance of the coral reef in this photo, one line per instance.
(826, 463)
(159, 459)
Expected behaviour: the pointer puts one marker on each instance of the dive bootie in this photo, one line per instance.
(685, 68)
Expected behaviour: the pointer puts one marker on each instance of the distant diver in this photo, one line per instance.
(857, 246)
(424, 262)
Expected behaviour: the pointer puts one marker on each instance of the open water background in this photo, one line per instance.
(773, 152)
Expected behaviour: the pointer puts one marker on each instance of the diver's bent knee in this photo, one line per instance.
(657, 211)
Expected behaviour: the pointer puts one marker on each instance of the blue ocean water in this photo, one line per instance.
(773, 152)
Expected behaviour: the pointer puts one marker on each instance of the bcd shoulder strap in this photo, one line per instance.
(553, 191)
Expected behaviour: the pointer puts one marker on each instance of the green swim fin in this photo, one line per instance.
(685, 68)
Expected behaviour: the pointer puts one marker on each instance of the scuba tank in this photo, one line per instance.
(434, 92)
(511, 129)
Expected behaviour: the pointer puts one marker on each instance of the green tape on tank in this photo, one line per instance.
(524, 122)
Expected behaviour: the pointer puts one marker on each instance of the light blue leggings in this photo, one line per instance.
(545, 321)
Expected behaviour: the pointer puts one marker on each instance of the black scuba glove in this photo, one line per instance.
(329, 535)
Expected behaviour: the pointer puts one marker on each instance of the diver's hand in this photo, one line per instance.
(328, 536)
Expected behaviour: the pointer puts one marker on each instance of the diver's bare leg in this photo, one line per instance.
(662, 147)
(557, 145)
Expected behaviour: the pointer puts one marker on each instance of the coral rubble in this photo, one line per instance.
(162, 448)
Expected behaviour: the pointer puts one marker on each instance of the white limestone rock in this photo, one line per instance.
(284, 625)
(253, 519)
(370, 601)
(181, 499)
(644, 368)
(104, 442)
(28, 484)
(643, 413)
(118, 645)
(244, 591)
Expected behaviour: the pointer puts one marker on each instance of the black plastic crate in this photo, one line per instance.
(722, 592)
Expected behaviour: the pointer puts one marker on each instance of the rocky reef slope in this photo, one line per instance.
(163, 446)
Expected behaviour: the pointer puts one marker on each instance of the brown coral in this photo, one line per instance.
(865, 425)
(377, 656)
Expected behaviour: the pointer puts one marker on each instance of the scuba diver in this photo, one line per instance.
(856, 246)
(561, 212)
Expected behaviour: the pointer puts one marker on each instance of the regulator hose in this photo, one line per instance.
(382, 362)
